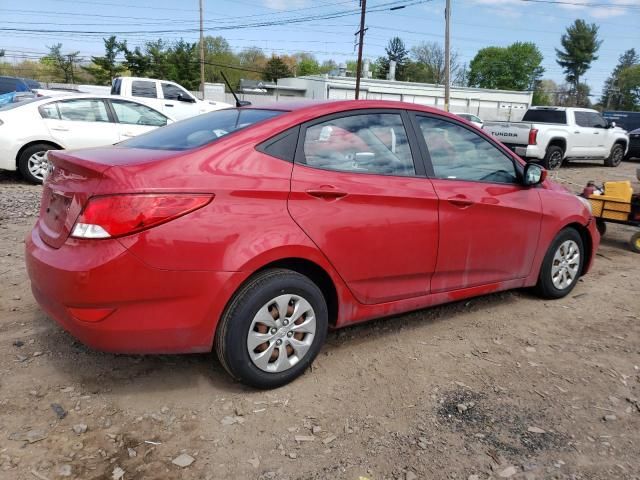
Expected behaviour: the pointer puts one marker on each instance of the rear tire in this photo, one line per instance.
(553, 158)
(562, 265)
(291, 340)
(32, 163)
(615, 157)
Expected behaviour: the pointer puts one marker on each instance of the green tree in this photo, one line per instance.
(105, 69)
(397, 52)
(306, 64)
(613, 96)
(63, 64)
(252, 58)
(218, 54)
(328, 66)
(630, 82)
(136, 61)
(184, 64)
(275, 69)
(516, 67)
(580, 45)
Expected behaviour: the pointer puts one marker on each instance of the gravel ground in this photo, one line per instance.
(501, 386)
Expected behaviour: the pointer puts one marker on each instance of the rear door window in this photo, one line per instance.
(50, 111)
(583, 119)
(144, 88)
(83, 110)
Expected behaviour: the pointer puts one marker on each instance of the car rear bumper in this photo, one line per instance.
(111, 301)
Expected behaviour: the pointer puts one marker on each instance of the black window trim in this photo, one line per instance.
(418, 163)
(414, 114)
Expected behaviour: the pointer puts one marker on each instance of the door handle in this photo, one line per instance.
(596, 133)
(168, 105)
(60, 129)
(460, 201)
(577, 133)
(328, 193)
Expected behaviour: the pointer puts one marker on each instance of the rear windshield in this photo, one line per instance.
(545, 116)
(201, 130)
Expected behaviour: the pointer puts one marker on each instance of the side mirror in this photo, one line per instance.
(612, 124)
(182, 98)
(534, 174)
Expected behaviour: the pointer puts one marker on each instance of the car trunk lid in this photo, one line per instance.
(73, 178)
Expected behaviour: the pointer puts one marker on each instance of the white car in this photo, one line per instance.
(477, 121)
(30, 128)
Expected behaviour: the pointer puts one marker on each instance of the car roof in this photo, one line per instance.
(325, 107)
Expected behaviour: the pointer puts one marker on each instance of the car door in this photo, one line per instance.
(359, 191)
(178, 103)
(80, 122)
(585, 136)
(489, 221)
(134, 119)
(602, 135)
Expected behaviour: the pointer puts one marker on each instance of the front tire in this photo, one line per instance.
(272, 329)
(553, 158)
(33, 163)
(615, 157)
(562, 265)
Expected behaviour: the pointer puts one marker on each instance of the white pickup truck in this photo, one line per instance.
(168, 97)
(550, 135)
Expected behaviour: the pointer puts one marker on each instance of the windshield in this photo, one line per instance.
(545, 116)
(201, 130)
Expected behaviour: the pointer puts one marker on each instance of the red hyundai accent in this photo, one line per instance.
(254, 230)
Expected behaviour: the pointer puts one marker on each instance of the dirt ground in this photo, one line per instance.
(502, 386)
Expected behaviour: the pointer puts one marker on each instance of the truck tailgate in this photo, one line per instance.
(511, 133)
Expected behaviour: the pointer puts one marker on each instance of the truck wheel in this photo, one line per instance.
(553, 158)
(615, 157)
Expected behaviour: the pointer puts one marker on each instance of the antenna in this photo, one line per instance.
(239, 103)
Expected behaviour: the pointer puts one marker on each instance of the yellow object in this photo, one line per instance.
(615, 215)
(618, 191)
(596, 205)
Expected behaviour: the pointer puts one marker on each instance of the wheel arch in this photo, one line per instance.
(316, 274)
(587, 242)
(36, 142)
(558, 142)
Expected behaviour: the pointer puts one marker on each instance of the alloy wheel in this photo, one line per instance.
(566, 262)
(281, 333)
(555, 160)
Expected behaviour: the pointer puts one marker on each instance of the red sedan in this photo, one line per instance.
(254, 230)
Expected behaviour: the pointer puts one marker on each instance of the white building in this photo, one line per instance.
(485, 103)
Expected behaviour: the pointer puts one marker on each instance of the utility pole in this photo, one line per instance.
(447, 56)
(363, 5)
(201, 50)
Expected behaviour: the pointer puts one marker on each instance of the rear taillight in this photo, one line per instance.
(533, 136)
(117, 215)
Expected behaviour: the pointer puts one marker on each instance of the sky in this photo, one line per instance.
(27, 29)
